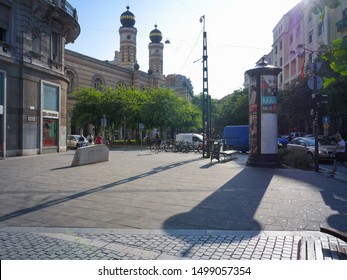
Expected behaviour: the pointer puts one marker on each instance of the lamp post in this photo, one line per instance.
(206, 100)
(315, 83)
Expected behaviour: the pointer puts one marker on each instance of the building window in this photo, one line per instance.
(310, 37)
(291, 39)
(281, 45)
(36, 41)
(4, 22)
(50, 97)
(71, 77)
(320, 28)
(281, 61)
(309, 17)
(56, 47)
(97, 84)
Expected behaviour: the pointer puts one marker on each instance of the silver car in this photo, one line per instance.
(72, 141)
(306, 146)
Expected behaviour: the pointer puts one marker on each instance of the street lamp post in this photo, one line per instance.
(206, 100)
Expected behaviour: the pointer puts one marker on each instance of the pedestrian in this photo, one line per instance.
(98, 139)
(81, 142)
(340, 154)
(90, 139)
(157, 143)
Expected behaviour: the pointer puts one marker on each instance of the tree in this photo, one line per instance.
(155, 107)
(320, 5)
(232, 110)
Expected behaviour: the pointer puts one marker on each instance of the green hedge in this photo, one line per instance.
(294, 160)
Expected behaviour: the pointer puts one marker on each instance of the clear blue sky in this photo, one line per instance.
(238, 34)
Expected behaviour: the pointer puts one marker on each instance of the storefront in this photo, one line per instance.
(50, 117)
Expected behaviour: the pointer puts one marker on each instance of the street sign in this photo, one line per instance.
(319, 84)
(312, 65)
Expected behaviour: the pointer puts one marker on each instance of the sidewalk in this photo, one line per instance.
(141, 205)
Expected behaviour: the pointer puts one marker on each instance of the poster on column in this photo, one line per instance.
(268, 92)
(253, 117)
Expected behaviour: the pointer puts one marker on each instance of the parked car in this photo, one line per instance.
(72, 141)
(306, 146)
(282, 141)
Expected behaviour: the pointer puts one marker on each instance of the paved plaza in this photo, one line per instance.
(141, 205)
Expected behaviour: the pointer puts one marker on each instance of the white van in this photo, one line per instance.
(190, 137)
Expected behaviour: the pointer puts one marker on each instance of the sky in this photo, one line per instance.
(238, 32)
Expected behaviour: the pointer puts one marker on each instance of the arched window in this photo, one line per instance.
(97, 84)
(72, 80)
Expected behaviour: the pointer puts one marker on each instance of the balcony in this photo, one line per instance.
(342, 25)
(64, 13)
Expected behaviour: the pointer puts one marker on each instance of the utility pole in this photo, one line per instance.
(206, 100)
(315, 83)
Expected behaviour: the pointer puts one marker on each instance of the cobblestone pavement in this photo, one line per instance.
(139, 205)
(101, 244)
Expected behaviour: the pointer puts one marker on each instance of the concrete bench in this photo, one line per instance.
(223, 155)
(228, 154)
(90, 154)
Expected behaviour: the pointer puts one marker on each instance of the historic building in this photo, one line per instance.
(84, 71)
(37, 73)
(33, 84)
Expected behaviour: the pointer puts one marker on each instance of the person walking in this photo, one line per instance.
(340, 154)
(98, 139)
(157, 143)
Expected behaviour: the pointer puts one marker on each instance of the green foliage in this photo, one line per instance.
(294, 160)
(318, 7)
(337, 57)
(231, 110)
(159, 107)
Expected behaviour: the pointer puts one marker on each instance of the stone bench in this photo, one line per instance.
(90, 154)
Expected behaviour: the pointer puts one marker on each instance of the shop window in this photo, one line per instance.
(49, 133)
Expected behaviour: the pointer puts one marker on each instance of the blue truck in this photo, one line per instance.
(236, 137)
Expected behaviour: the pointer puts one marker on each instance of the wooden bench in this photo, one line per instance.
(314, 249)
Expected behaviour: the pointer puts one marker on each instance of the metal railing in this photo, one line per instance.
(66, 6)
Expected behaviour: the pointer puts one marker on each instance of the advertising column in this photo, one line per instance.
(263, 115)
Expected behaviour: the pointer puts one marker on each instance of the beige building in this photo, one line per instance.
(298, 36)
(85, 71)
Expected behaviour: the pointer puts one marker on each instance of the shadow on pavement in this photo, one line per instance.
(231, 207)
(57, 201)
(337, 199)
